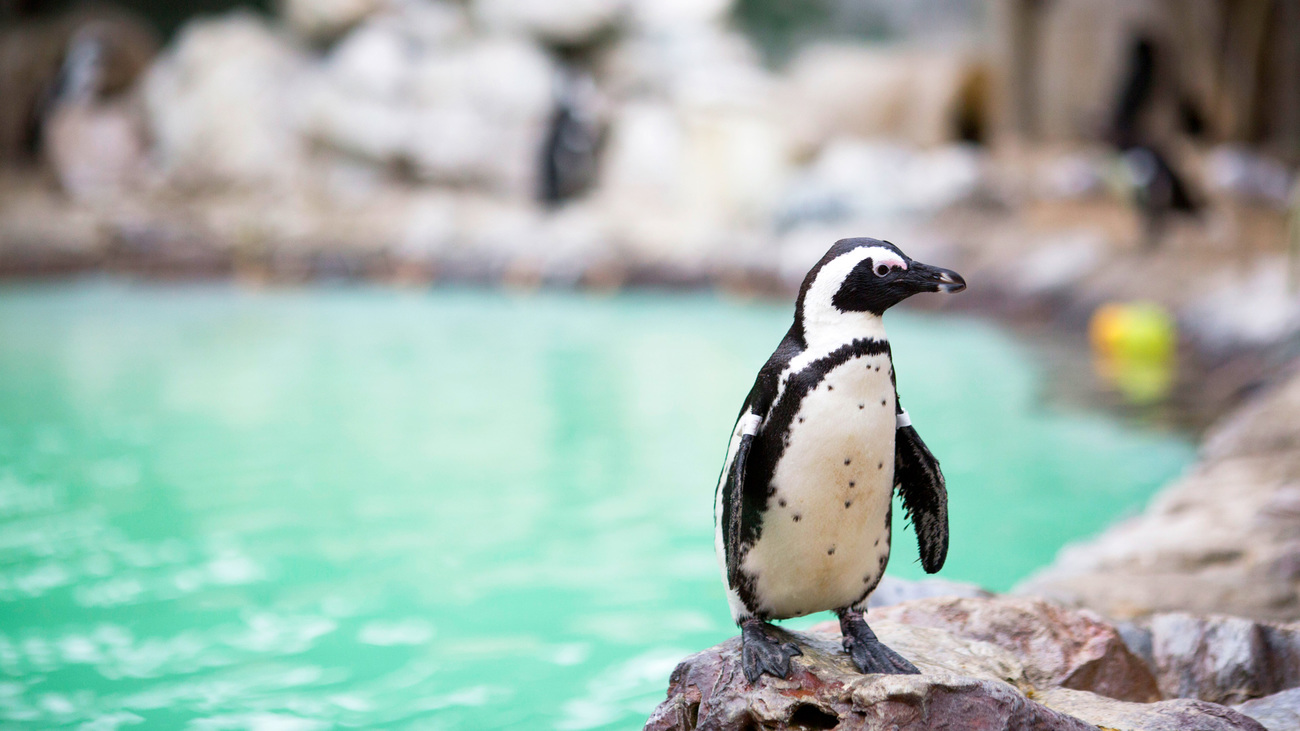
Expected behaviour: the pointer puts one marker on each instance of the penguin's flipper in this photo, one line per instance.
(733, 492)
(925, 496)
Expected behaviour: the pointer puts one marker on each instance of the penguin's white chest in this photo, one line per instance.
(825, 536)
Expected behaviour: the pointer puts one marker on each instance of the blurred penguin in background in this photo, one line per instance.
(92, 139)
(35, 70)
(1155, 186)
(573, 137)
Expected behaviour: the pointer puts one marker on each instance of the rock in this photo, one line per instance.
(855, 179)
(1057, 647)
(1175, 715)
(467, 113)
(1238, 171)
(1222, 540)
(968, 686)
(232, 62)
(556, 21)
(659, 16)
(322, 21)
(910, 95)
(1278, 712)
(965, 684)
(893, 590)
(1223, 659)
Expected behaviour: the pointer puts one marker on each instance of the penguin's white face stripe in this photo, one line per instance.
(825, 326)
(823, 322)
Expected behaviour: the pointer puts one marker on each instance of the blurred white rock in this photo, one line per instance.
(696, 157)
(677, 178)
(554, 21)
(222, 104)
(1252, 308)
(458, 111)
(691, 61)
(1062, 260)
(911, 95)
(325, 20)
(1249, 175)
(675, 15)
(856, 178)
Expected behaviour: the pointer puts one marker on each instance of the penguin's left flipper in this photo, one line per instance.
(925, 497)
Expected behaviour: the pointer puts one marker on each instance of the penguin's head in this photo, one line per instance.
(866, 276)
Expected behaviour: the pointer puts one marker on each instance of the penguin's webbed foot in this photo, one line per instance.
(761, 653)
(870, 654)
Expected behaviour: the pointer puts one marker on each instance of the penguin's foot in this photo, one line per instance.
(869, 653)
(762, 653)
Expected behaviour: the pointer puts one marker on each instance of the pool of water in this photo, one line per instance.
(357, 507)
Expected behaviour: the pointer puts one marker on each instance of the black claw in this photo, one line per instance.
(760, 653)
(869, 654)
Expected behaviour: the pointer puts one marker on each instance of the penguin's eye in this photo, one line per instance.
(882, 270)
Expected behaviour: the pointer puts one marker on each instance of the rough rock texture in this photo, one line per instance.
(1223, 659)
(1225, 539)
(964, 687)
(965, 684)
(1278, 712)
(1056, 646)
(1175, 715)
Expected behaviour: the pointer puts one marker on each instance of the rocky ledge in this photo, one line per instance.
(1007, 663)
(1225, 539)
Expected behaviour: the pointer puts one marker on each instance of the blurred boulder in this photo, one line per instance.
(922, 97)
(223, 104)
(454, 110)
(1243, 173)
(1224, 539)
(564, 22)
(696, 156)
(858, 178)
(321, 21)
(657, 16)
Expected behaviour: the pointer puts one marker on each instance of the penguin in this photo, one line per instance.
(803, 506)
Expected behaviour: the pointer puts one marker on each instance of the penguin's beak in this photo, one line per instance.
(926, 278)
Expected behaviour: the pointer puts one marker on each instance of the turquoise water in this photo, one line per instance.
(285, 510)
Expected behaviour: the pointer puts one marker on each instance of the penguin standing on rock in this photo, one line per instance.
(803, 506)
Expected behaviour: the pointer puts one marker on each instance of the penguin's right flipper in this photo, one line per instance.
(925, 496)
(733, 492)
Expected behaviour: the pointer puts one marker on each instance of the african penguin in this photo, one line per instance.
(802, 508)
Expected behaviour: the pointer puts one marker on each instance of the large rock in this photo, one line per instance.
(465, 112)
(965, 684)
(324, 20)
(1278, 712)
(911, 95)
(553, 21)
(1175, 715)
(222, 104)
(1223, 659)
(1223, 540)
(1057, 647)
